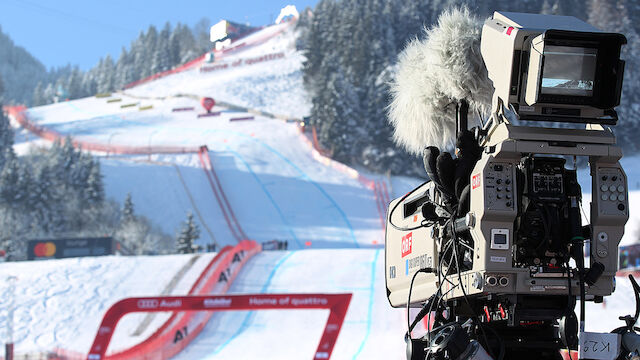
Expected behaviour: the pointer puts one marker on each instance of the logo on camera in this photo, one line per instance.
(407, 243)
(475, 181)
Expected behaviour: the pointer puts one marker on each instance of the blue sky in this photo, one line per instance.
(81, 31)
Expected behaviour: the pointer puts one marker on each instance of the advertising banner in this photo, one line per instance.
(66, 248)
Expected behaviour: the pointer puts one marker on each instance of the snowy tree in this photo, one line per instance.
(38, 95)
(106, 75)
(94, 191)
(6, 140)
(10, 191)
(74, 84)
(127, 209)
(190, 232)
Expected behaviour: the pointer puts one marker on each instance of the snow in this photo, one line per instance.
(372, 329)
(287, 12)
(274, 86)
(60, 303)
(266, 158)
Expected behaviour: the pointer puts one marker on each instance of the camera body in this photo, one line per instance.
(520, 244)
(510, 254)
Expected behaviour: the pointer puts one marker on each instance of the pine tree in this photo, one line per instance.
(128, 209)
(94, 190)
(74, 84)
(9, 179)
(38, 95)
(106, 75)
(190, 232)
(6, 140)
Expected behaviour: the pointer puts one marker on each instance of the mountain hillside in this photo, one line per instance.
(20, 72)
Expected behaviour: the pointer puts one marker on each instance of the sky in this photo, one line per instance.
(80, 32)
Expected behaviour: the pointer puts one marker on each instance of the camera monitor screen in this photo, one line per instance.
(568, 71)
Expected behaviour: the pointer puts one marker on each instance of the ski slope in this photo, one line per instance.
(274, 86)
(372, 329)
(278, 190)
(60, 303)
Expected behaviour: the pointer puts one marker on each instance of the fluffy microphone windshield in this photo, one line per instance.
(433, 74)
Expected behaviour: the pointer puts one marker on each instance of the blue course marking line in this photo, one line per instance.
(247, 319)
(369, 315)
(304, 176)
(266, 192)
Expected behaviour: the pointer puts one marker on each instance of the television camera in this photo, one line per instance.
(492, 248)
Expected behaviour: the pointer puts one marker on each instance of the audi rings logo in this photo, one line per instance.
(147, 304)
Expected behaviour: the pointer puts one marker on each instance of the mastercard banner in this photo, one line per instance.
(65, 248)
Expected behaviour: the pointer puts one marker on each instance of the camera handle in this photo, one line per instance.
(462, 116)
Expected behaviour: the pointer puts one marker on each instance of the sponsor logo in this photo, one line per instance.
(322, 355)
(475, 181)
(147, 304)
(392, 272)
(332, 327)
(104, 330)
(407, 244)
(219, 302)
(93, 357)
(237, 257)
(171, 304)
(418, 262)
(309, 301)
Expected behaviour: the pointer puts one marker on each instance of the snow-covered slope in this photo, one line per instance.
(60, 303)
(372, 329)
(274, 85)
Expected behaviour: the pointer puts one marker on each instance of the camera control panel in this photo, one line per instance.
(499, 189)
(612, 192)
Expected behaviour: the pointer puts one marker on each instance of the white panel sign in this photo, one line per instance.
(598, 346)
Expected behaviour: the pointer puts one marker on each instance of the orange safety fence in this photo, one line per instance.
(221, 198)
(379, 188)
(18, 113)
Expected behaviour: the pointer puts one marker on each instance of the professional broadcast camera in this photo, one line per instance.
(497, 233)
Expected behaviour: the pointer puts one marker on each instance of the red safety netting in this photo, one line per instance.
(198, 61)
(18, 113)
(379, 188)
(186, 66)
(221, 198)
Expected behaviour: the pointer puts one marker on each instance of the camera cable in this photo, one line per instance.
(480, 326)
(422, 270)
